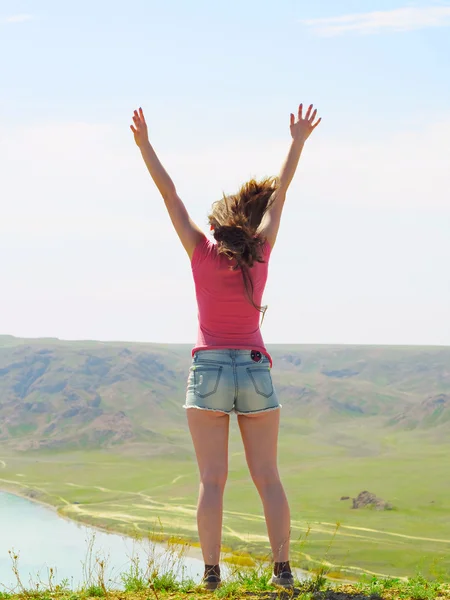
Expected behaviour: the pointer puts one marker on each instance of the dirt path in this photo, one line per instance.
(187, 513)
(400, 535)
(320, 526)
(178, 478)
(355, 569)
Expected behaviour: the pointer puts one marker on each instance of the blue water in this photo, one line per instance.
(43, 540)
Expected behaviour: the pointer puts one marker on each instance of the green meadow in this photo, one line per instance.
(97, 431)
(138, 495)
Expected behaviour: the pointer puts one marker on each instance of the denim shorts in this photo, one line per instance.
(231, 380)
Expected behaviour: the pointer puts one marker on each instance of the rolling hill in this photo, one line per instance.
(60, 394)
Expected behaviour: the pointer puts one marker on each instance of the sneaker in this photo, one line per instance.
(211, 582)
(284, 579)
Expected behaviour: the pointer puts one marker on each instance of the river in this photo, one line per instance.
(42, 540)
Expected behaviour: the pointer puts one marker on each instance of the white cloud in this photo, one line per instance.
(400, 19)
(402, 169)
(45, 226)
(398, 169)
(87, 181)
(84, 233)
(18, 18)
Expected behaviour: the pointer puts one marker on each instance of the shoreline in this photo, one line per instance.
(193, 552)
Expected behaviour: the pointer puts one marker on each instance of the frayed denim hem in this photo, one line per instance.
(261, 410)
(225, 412)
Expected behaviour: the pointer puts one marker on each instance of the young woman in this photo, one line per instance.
(231, 366)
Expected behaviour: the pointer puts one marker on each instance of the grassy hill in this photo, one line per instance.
(61, 395)
(57, 394)
(97, 430)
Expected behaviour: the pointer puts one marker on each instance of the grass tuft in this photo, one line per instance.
(95, 591)
(161, 576)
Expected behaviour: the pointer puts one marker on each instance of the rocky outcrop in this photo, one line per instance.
(367, 499)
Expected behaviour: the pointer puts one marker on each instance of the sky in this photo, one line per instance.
(87, 250)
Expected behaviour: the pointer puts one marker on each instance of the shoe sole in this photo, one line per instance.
(211, 586)
(282, 584)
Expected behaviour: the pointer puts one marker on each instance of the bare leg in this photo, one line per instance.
(209, 431)
(260, 436)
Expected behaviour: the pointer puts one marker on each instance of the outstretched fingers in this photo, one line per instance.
(308, 112)
(309, 117)
(138, 119)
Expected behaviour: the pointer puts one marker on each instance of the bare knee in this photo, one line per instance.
(264, 477)
(214, 478)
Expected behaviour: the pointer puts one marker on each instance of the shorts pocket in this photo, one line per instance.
(262, 380)
(206, 380)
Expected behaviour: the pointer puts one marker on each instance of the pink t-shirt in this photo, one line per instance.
(226, 317)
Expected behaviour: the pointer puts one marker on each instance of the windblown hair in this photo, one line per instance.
(235, 221)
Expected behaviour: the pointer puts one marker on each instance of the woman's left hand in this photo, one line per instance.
(304, 126)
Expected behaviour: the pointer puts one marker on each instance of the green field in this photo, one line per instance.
(98, 432)
(129, 494)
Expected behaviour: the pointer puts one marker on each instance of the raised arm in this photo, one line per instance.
(301, 129)
(188, 232)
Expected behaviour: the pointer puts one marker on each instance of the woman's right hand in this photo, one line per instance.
(139, 129)
(304, 126)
